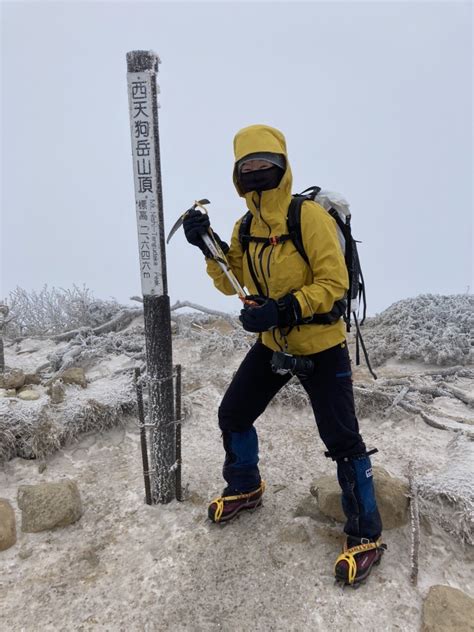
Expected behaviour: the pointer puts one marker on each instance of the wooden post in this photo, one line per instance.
(143, 442)
(142, 68)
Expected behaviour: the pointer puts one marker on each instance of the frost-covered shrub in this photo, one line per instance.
(446, 496)
(36, 429)
(86, 350)
(55, 310)
(216, 335)
(430, 328)
(371, 403)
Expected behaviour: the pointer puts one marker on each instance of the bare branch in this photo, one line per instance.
(435, 423)
(121, 320)
(415, 524)
(398, 398)
(201, 308)
(459, 394)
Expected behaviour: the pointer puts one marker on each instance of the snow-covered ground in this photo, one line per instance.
(128, 566)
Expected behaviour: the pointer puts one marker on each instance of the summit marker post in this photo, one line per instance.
(142, 68)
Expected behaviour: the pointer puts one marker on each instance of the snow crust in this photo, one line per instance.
(129, 566)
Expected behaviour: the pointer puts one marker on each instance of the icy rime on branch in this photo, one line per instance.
(142, 67)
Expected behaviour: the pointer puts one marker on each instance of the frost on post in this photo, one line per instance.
(142, 67)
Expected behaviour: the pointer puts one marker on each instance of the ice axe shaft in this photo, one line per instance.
(217, 254)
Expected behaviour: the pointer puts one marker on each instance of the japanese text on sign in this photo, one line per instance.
(144, 169)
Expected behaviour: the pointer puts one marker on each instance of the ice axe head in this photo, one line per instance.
(198, 203)
(201, 204)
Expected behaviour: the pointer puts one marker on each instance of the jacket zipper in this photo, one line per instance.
(260, 257)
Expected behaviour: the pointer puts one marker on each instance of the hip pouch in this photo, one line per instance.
(286, 364)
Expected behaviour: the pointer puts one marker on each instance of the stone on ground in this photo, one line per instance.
(391, 494)
(447, 609)
(49, 505)
(74, 375)
(57, 391)
(12, 378)
(32, 378)
(28, 395)
(7, 525)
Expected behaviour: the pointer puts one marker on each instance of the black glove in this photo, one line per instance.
(196, 224)
(269, 313)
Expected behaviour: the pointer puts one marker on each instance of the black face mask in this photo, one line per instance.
(261, 180)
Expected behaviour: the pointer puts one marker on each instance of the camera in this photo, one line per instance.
(284, 363)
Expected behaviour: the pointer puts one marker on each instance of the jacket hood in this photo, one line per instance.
(270, 206)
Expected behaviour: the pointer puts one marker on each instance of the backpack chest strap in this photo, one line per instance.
(266, 241)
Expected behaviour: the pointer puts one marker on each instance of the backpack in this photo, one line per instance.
(338, 208)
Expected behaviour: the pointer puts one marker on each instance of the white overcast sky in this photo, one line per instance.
(375, 100)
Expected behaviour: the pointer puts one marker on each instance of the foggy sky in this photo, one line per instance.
(375, 100)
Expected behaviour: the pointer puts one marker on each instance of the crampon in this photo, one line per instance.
(354, 564)
(226, 507)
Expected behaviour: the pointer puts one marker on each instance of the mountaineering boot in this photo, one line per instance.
(359, 555)
(228, 505)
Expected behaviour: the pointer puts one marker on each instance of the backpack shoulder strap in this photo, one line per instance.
(294, 224)
(244, 230)
(245, 238)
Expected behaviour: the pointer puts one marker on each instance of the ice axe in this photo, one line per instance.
(215, 250)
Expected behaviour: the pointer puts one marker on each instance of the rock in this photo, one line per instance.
(10, 392)
(49, 505)
(28, 395)
(309, 508)
(192, 385)
(392, 498)
(293, 534)
(12, 378)
(7, 525)
(195, 499)
(89, 554)
(74, 375)
(24, 553)
(3, 392)
(57, 391)
(32, 378)
(447, 609)
(391, 494)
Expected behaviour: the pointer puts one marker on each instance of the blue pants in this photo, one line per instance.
(330, 391)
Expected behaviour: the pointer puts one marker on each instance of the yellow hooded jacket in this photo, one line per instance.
(280, 269)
